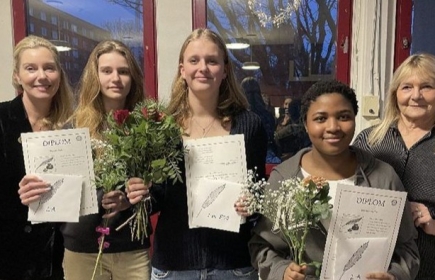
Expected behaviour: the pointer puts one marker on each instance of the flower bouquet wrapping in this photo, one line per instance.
(144, 143)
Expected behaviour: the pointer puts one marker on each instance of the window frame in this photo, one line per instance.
(149, 39)
(344, 33)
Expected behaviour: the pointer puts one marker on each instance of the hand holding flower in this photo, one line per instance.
(380, 275)
(31, 187)
(294, 272)
(115, 201)
(240, 206)
(137, 190)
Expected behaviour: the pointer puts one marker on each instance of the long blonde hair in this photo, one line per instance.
(90, 111)
(231, 99)
(423, 65)
(61, 104)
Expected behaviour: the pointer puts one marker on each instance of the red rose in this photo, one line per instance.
(145, 112)
(160, 116)
(120, 116)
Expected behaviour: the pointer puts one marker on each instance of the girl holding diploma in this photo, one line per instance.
(206, 102)
(328, 110)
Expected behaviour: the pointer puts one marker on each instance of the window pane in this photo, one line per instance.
(423, 33)
(294, 43)
(81, 24)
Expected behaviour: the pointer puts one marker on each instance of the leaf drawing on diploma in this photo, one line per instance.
(47, 161)
(48, 195)
(211, 198)
(355, 258)
(353, 221)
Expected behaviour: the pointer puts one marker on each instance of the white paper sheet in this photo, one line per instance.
(66, 151)
(61, 203)
(218, 158)
(363, 220)
(212, 206)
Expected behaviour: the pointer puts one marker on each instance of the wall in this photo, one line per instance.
(174, 24)
(7, 91)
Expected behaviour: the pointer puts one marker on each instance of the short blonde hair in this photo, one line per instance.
(61, 106)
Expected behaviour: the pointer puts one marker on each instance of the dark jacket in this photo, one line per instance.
(270, 253)
(25, 250)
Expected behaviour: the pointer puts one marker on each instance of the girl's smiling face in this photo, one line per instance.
(330, 124)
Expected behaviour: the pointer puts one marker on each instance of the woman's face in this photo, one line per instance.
(38, 73)
(330, 124)
(203, 66)
(416, 99)
(115, 79)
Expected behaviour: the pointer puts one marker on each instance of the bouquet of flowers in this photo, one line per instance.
(295, 207)
(144, 143)
(253, 193)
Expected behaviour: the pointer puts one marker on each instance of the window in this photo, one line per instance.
(73, 27)
(293, 44)
(75, 41)
(32, 27)
(54, 35)
(43, 16)
(44, 31)
(80, 18)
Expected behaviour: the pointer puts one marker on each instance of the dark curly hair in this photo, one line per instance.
(327, 87)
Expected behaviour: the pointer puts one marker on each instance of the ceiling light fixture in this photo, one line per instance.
(61, 45)
(238, 44)
(251, 65)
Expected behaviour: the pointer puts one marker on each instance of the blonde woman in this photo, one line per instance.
(206, 102)
(44, 102)
(111, 80)
(406, 139)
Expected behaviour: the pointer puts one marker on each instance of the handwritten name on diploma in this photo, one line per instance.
(370, 201)
(56, 142)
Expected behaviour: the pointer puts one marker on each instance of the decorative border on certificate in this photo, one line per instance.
(362, 216)
(215, 158)
(66, 151)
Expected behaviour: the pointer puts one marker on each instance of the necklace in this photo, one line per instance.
(205, 129)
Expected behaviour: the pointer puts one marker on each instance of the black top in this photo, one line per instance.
(415, 168)
(82, 237)
(25, 249)
(176, 247)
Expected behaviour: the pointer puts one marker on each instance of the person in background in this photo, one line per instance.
(44, 102)
(291, 137)
(406, 139)
(111, 80)
(328, 110)
(251, 88)
(268, 105)
(206, 101)
(284, 115)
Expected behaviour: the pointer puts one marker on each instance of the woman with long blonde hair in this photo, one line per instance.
(44, 102)
(111, 80)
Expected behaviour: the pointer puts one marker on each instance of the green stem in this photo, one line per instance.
(100, 249)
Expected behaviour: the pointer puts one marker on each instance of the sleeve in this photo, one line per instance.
(406, 259)
(361, 141)
(269, 252)
(256, 148)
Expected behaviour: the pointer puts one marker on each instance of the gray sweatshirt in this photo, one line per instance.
(270, 253)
